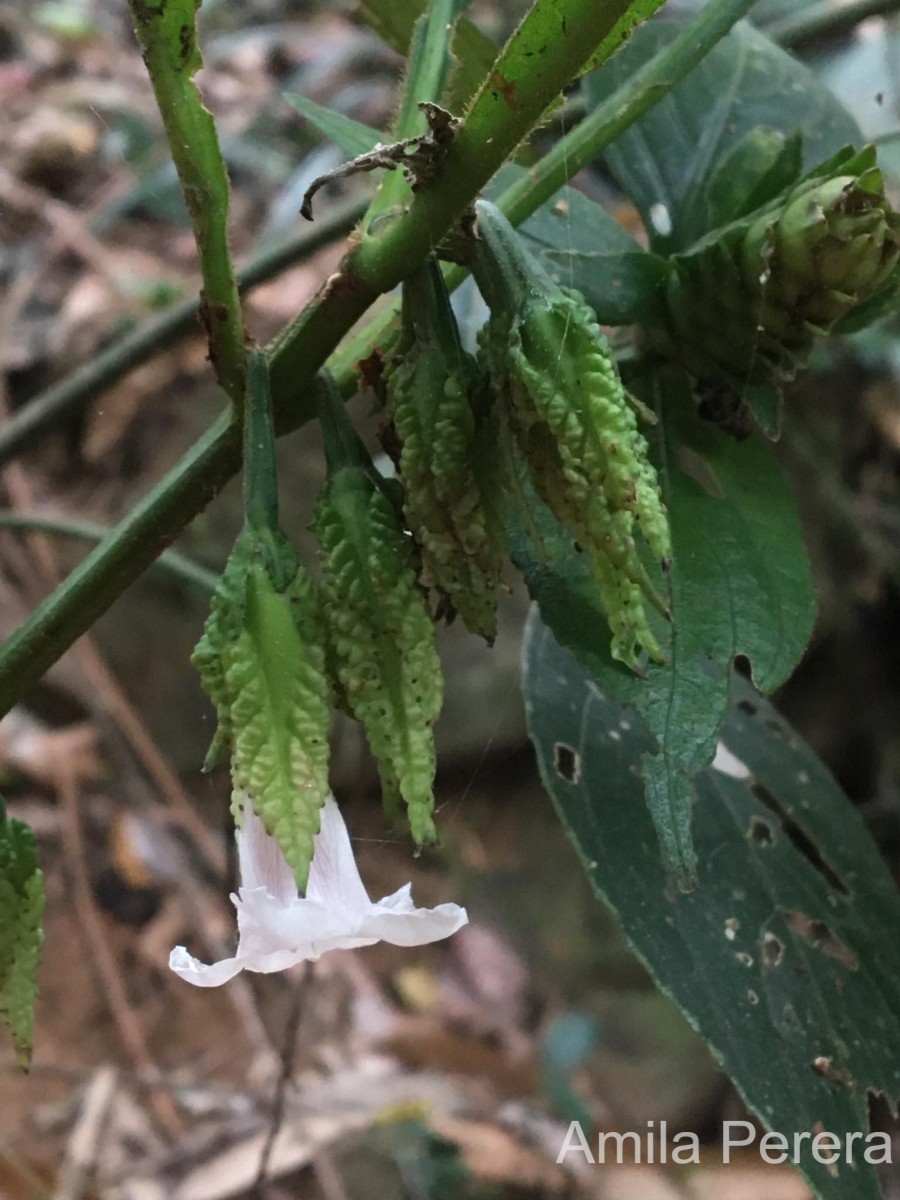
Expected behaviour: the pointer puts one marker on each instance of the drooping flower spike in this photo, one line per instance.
(278, 928)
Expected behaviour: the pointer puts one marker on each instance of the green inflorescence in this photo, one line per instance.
(572, 420)
(446, 437)
(380, 631)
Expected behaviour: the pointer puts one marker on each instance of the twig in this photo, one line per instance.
(82, 1149)
(302, 990)
(178, 564)
(328, 1176)
(126, 1022)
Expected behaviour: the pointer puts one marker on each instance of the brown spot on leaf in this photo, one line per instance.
(819, 935)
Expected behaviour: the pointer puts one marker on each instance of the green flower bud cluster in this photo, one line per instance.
(572, 420)
(381, 637)
(747, 302)
(445, 437)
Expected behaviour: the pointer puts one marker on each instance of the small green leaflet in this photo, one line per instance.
(786, 958)
(21, 913)
(353, 137)
(739, 584)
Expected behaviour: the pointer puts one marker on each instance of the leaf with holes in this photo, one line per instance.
(786, 959)
(665, 161)
(739, 585)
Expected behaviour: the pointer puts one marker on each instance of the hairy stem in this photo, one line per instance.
(167, 36)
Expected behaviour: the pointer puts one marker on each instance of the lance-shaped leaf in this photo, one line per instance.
(739, 585)
(786, 958)
(21, 912)
(353, 137)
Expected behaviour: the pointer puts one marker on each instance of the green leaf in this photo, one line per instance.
(762, 165)
(786, 958)
(21, 913)
(668, 158)
(275, 676)
(581, 245)
(353, 137)
(739, 584)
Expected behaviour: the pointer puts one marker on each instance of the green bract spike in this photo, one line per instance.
(381, 635)
(262, 656)
(21, 914)
(573, 422)
(449, 461)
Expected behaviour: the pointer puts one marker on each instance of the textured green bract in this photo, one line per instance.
(21, 913)
(261, 662)
(572, 421)
(381, 636)
(275, 677)
(666, 161)
(739, 584)
(449, 461)
(786, 959)
(220, 632)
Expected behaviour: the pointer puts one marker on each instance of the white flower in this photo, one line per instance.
(278, 928)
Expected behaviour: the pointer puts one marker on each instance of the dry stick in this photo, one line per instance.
(291, 1037)
(126, 1022)
(84, 1142)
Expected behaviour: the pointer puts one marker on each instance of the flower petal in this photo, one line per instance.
(203, 974)
(261, 860)
(215, 974)
(334, 880)
(402, 926)
(265, 926)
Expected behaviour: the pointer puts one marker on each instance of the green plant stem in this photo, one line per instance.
(173, 561)
(825, 19)
(260, 472)
(580, 146)
(627, 105)
(122, 556)
(118, 560)
(106, 368)
(167, 36)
